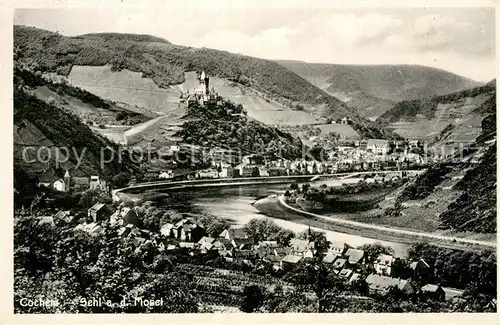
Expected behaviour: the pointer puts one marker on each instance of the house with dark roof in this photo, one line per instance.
(269, 243)
(282, 251)
(330, 258)
(99, 212)
(420, 268)
(124, 216)
(355, 257)
(192, 232)
(433, 291)
(62, 217)
(273, 259)
(81, 183)
(381, 284)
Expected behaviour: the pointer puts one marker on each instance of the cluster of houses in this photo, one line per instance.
(235, 245)
(364, 155)
(70, 183)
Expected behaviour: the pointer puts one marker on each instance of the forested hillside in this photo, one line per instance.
(427, 107)
(374, 89)
(165, 64)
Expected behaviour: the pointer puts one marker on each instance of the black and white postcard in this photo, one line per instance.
(188, 157)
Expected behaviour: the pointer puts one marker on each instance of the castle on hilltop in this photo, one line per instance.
(202, 94)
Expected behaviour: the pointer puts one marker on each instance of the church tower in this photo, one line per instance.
(67, 180)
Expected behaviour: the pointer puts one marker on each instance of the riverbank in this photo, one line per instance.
(378, 232)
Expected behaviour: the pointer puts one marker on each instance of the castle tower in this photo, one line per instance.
(204, 79)
(67, 180)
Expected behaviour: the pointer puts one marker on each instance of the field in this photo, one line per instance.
(125, 86)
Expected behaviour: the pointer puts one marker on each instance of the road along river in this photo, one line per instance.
(236, 204)
(241, 201)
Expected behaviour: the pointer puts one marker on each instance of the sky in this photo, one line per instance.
(460, 40)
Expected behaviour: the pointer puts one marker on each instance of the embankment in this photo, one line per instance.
(389, 234)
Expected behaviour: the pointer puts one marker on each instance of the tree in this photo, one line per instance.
(261, 229)
(91, 197)
(253, 298)
(120, 180)
(374, 250)
(321, 244)
(284, 236)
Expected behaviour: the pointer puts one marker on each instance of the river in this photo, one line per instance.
(235, 205)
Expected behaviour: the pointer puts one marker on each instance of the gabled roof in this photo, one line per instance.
(81, 180)
(330, 258)
(62, 215)
(187, 245)
(283, 250)
(354, 255)
(98, 206)
(273, 258)
(292, 259)
(420, 262)
(233, 233)
(239, 242)
(206, 240)
(268, 243)
(222, 243)
(430, 288)
(381, 282)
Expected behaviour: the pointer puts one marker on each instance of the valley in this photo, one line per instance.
(374, 89)
(219, 181)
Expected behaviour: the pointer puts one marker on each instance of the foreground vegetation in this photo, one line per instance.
(211, 126)
(60, 264)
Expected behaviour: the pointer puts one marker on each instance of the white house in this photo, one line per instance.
(384, 263)
(169, 174)
(378, 146)
(60, 186)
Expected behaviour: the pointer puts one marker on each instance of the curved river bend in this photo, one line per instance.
(235, 205)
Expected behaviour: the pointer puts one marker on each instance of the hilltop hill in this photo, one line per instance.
(165, 64)
(373, 89)
(213, 127)
(128, 37)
